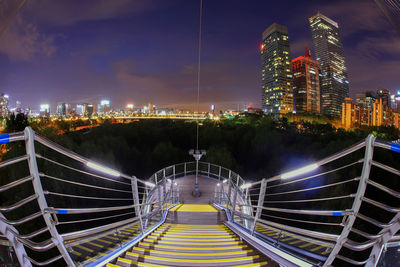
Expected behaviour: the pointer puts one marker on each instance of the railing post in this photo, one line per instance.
(229, 189)
(219, 174)
(173, 171)
(234, 199)
(208, 170)
(165, 185)
(37, 186)
(184, 169)
(362, 185)
(221, 193)
(136, 201)
(260, 203)
(160, 202)
(19, 249)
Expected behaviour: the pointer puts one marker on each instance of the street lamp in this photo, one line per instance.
(197, 154)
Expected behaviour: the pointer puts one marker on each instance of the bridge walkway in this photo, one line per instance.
(193, 235)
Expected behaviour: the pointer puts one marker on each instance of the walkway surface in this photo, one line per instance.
(206, 188)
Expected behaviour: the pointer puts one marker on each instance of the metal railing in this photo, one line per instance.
(59, 206)
(341, 209)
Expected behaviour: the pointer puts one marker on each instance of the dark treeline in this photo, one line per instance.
(254, 146)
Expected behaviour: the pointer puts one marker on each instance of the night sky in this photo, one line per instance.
(145, 51)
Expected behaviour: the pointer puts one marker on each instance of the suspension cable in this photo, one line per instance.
(198, 75)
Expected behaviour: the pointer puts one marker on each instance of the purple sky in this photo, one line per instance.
(145, 51)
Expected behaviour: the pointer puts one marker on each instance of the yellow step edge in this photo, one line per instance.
(187, 260)
(193, 230)
(192, 239)
(80, 254)
(316, 248)
(105, 241)
(193, 236)
(254, 264)
(192, 248)
(195, 225)
(85, 248)
(140, 264)
(326, 251)
(190, 233)
(112, 265)
(193, 243)
(192, 253)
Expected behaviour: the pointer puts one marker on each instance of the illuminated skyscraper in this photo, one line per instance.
(44, 110)
(104, 106)
(3, 105)
(384, 94)
(63, 109)
(306, 84)
(277, 87)
(330, 54)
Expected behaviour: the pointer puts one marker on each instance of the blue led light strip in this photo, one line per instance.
(395, 147)
(4, 138)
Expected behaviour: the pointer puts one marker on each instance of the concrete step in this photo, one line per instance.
(202, 243)
(193, 249)
(131, 257)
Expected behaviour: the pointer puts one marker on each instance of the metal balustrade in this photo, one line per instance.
(339, 210)
(64, 207)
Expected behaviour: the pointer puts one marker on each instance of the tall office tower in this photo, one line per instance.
(3, 105)
(329, 53)
(277, 87)
(366, 99)
(104, 106)
(395, 101)
(384, 94)
(63, 109)
(306, 84)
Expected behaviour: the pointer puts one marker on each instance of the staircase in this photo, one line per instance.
(191, 245)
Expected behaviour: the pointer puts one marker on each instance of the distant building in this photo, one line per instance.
(4, 105)
(383, 93)
(63, 109)
(80, 110)
(379, 115)
(277, 79)
(90, 109)
(104, 107)
(329, 53)
(44, 110)
(306, 84)
(366, 99)
(395, 101)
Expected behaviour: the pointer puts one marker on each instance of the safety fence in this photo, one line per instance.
(62, 209)
(339, 210)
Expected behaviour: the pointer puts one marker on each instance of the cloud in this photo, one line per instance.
(379, 46)
(56, 13)
(21, 41)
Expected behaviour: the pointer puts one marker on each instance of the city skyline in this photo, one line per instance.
(145, 52)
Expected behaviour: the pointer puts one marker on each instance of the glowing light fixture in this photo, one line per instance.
(175, 183)
(149, 184)
(245, 186)
(218, 184)
(299, 171)
(169, 180)
(224, 181)
(103, 169)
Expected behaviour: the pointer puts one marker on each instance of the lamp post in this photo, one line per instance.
(197, 154)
